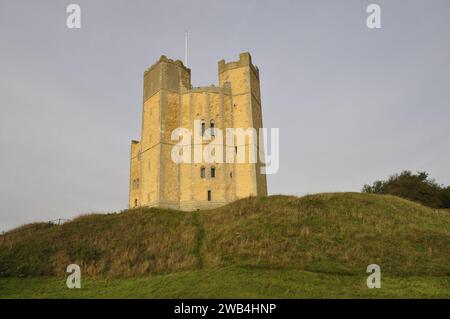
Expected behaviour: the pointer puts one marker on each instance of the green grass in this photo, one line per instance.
(278, 246)
(230, 283)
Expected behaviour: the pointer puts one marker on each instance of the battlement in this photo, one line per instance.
(165, 59)
(245, 59)
(226, 89)
(166, 74)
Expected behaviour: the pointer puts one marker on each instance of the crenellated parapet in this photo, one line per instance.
(165, 59)
(245, 59)
(166, 74)
(226, 89)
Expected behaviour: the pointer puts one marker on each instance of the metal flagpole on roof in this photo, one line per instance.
(186, 48)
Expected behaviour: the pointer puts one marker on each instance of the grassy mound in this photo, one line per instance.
(335, 234)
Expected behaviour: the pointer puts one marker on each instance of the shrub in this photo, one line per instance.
(416, 187)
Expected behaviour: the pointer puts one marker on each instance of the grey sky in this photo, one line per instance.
(352, 104)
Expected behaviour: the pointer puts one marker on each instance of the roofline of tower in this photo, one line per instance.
(226, 89)
(164, 58)
(245, 59)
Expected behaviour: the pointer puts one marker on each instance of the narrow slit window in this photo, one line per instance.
(209, 196)
(212, 126)
(203, 128)
(213, 172)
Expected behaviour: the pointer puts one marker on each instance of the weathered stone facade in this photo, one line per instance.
(171, 102)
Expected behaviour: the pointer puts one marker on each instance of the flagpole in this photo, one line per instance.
(186, 49)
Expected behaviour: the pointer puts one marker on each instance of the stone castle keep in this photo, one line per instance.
(171, 102)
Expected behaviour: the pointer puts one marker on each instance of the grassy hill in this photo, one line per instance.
(278, 246)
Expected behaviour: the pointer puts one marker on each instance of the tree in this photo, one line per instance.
(416, 187)
(445, 197)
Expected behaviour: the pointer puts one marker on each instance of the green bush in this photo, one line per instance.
(416, 187)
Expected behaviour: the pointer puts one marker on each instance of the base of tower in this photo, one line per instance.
(188, 205)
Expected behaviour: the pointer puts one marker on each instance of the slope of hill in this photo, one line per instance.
(318, 235)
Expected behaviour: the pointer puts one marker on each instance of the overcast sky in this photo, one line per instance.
(353, 104)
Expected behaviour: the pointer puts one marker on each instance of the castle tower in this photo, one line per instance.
(170, 102)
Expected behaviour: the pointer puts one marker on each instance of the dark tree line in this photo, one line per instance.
(416, 187)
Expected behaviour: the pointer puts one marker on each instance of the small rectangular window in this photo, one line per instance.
(213, 172)
(209, 196)
(202, 172)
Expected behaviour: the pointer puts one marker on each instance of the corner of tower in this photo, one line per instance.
(165, 59)
(245, 60)
(134, 143)
(166, 74)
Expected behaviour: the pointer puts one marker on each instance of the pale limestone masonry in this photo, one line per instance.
(171, 102)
